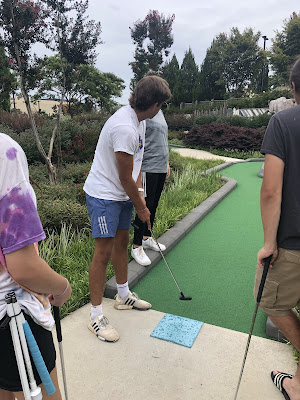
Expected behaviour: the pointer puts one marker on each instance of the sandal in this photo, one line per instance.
(278, 380)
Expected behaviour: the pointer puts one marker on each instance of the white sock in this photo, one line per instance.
(95, 311)
(123, 290)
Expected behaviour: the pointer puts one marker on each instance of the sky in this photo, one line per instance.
(196, 24)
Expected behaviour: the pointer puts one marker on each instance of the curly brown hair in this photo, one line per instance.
(148, 91)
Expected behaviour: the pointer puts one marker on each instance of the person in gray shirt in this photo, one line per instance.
(155, 170)
(280, 214)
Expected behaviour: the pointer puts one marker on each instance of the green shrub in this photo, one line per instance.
(78, 140)
(178, 122)
(235, 120)
(175, 135)
(205, 119)
(225, 136)
(86, 118)
(65, 210)
(260, 100)
(7, 130)
(76, 173)
(38, 172)
(19, 121)
(27, 141)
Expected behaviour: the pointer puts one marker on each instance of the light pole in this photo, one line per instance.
(263, 66)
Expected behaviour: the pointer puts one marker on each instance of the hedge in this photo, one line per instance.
(225, 136)
(235, 120)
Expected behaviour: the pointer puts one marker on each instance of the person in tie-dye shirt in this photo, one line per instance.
(36, 285)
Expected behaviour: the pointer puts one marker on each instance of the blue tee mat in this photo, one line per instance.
(177, 329)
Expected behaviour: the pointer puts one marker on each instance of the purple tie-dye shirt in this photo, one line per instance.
(20, 224)
(19, 220)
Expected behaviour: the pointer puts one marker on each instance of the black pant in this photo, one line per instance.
(154, 186)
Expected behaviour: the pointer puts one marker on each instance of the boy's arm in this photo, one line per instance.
(270, 205)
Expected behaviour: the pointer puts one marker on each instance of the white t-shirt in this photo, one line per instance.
(20, 226)
(121, 132)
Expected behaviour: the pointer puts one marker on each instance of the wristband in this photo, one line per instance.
(140, 189)
(144, 209)
(59, 295)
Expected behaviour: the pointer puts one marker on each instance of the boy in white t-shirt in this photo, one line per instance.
(112, 187)
(23, 271)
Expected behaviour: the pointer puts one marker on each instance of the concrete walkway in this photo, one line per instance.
(201, 154)
(141, 367)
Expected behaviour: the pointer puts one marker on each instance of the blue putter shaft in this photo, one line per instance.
(38, 360)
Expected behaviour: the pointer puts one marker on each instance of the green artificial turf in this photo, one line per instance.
(215, 263)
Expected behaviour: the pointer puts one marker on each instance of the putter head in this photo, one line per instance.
(182, 297)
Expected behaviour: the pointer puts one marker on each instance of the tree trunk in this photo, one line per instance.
(47, 159)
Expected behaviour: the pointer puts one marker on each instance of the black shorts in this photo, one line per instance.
(9, 373)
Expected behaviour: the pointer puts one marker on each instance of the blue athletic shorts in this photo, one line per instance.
(108, 216)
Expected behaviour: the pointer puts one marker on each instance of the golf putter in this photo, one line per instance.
(260, 290)
(59, 339)
(182, 296)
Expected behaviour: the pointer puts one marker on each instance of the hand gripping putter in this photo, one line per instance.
(260, 290)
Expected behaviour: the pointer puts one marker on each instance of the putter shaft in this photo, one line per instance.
(259, 294)
(246, 351)
(161, 253)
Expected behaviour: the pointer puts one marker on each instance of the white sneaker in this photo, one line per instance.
(132, 301)
(150, 243)
(140, 256)
(101, 328)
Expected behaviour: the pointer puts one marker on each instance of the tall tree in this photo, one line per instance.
(189, 78)
(23, 24)
(59, 25)
(233, 61)
(74, 38)
(285, 49)
(7, 79)
(152, 38)
(243, 60)
(171, 73)
(88, 86)
(212, 84)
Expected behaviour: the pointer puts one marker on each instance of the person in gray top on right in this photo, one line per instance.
(280, 214)
(155, 170)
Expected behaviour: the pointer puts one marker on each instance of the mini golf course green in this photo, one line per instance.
(215, 262)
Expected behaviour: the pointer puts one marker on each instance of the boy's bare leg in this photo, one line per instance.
(97, 274)
(120, 255)
(290, 326)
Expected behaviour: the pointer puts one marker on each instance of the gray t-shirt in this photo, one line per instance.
(156, 152)
(282, 139)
